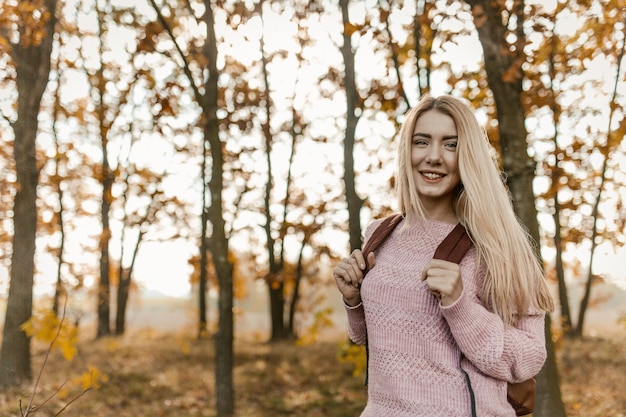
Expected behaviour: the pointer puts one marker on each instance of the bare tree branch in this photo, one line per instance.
(196, 91)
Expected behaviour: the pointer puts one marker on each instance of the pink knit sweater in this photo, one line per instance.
(415, 344)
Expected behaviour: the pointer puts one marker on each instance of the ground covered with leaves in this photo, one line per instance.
(169, 375)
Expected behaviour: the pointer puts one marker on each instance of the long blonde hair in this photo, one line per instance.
(514, 282)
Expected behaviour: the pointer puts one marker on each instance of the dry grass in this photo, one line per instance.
(168, 375)
(593, 377)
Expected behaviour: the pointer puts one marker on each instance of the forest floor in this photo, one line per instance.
(155, 375)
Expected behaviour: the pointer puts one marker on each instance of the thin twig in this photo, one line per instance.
(79, 395)
(186, 68)
(54, 394)
(45, 360)
(32, 408)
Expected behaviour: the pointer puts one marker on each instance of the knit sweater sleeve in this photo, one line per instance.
(501, 351)
(356, 323)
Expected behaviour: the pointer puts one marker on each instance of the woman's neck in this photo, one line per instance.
(441, 213)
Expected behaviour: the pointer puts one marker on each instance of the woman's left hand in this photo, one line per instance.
(444, 280)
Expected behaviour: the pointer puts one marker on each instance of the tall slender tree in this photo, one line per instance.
(276, 285)
(206, 94)
(218, 242)
(353, 112)
(106, 179)
(613, 140)
(503, 63)
(560, 80)
(30, 50)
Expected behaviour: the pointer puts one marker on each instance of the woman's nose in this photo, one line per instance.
(434, 155)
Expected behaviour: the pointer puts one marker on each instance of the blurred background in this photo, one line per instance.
(200, 166)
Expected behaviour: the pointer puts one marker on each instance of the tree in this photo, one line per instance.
(613, 140)
(563, 81)
(206, 94)
(106, 178)
(503, 63)
(60, 212)
(65, 189)
(218, 242)
(566, 319)
(282, 228)
(31, 46)
(146, 185)
(353, 111)
(112, 102)
(276, 264)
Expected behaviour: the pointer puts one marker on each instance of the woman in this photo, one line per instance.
(428, 321)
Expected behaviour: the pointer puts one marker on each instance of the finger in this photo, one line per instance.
(371, 260)
(353, 267)
(442, 265)
(426, 273)
(357, 255)
(349, 272)
(438, 267)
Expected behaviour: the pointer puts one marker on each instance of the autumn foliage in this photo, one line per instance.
(261, 135)
(154, 374)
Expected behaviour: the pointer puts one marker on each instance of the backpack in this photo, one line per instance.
(520, 395)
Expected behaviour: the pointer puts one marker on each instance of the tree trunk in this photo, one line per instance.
(59, 288)
(566, 317)
(104, 289)
(296, 288)
(224, 355)
(353, 200)
(517, 164)
(32, 65)
(606, 152)
(275, 283)
(393, 48)
(548, 401)
(423, 73)
(123, 288)
(218, 242)
(203, 328)
(277, 308)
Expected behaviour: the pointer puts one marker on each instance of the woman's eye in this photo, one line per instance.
(451, 145)
(420, 142)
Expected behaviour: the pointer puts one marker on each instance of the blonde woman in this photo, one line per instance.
(428, 322)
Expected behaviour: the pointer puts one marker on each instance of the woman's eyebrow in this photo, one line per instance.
(428, 135)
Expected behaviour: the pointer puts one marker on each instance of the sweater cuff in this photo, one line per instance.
(355, 314)
(458, 314)
(352, 307)
(454, 305)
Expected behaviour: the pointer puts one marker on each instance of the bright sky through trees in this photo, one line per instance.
(163, 266)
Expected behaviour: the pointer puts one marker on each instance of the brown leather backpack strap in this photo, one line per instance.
(521, 396)
(454, 246)
(380, 234)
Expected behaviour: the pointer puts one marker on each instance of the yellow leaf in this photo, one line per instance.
(44, 326)
(349, 29)
(93, 378)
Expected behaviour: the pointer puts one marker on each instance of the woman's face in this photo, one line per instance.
(434, 158)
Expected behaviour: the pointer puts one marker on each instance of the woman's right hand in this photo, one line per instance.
(349, 276)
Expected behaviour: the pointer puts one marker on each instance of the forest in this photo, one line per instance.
(258, 138)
